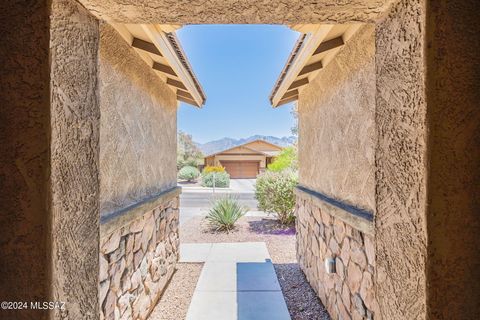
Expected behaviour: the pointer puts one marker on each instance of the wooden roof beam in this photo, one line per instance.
(290, 94)
(298, 83)
(176, 84)
(329, 45)
(311, 67)
(177, 64)
(145, 46)
(163, 68)
(285, 101)
(184, 94)
(310, 43)
(186, 100)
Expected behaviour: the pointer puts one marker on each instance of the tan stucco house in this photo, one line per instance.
(388, 148)
(245, 161)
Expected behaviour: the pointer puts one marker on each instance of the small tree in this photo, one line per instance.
(188, 153)
(294, 113)
(274, 192)
(287, 159)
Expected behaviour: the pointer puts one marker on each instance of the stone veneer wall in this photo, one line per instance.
(349, 293)
(137, 259)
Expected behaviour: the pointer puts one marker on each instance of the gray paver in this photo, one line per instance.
(261, 305)
(213, 305)
(256, 276)
(218, 276)
(194, 252)
(239, 252)
(238, 281)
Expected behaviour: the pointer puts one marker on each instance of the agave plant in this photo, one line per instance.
(225, 212)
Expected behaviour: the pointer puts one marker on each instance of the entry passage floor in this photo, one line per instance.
(301, 299)
(237, 281)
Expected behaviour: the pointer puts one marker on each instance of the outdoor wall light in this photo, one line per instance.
(330, 265)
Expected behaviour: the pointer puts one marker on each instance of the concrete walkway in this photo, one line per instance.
(238, 281)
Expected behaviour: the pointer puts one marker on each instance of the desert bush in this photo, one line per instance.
(222, 179)
(225, 212)
(274, 192)
(190, 162)
(209, 169)
(287, 159)
(188, 173)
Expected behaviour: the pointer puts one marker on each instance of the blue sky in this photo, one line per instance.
(237, 66)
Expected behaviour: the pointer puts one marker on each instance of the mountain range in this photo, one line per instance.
(226, 143)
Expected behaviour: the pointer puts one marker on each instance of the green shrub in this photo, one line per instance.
(225, 212)
(274, 192)
(190, 162)
(209, 169)
(287, 159)
(222, 179)
(188, 173)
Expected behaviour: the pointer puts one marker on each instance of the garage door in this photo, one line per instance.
(241, 169)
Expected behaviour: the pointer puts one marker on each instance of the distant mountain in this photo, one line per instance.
(226, 143)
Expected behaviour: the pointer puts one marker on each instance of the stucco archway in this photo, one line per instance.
(419, 166)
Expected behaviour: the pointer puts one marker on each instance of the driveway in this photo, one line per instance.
(243, 185)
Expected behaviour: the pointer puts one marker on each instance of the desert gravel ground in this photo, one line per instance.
(302, 302)
(173, 304)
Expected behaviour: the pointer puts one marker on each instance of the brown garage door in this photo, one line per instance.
(241, 169)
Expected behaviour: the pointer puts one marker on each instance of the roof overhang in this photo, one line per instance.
(158, 46)
(244, 145)
(315, 48)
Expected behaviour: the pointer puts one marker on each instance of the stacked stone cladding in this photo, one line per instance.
(136, 262)
(348, 293)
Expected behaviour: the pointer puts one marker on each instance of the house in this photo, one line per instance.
(246, 160)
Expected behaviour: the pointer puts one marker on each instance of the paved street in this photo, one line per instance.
(195, 201)
(189, 199)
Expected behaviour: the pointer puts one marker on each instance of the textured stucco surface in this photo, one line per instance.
(75, 124)
(400, 232)
(337, 125)
(138, 126)
(453, 219)
(24, 156)
(233, 11)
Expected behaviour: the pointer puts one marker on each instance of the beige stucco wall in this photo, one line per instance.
(453, 115)
(401, 159)
(74, 153)
(259, 158)
(239, 12)
(138, 126)
(336, 124)
(238, 153)
(24, 155)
